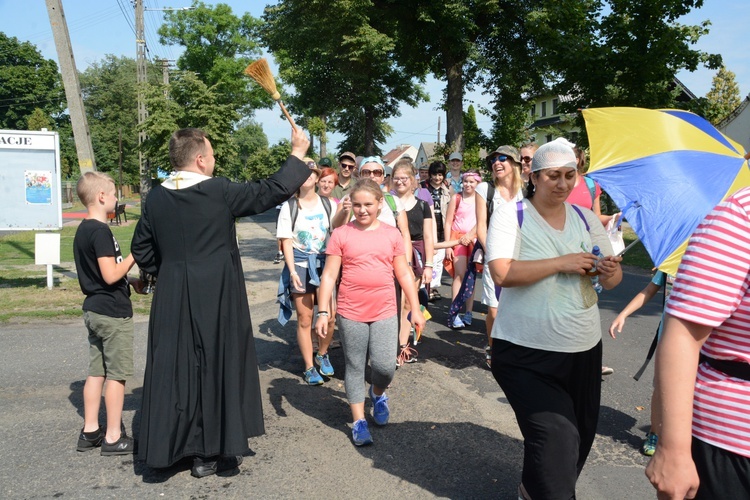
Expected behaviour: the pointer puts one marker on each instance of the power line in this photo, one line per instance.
(77, 24)
(125, 15)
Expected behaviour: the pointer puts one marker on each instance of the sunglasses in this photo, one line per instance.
(347, 166)
(368, 173)
(498, 158)
(526, 159)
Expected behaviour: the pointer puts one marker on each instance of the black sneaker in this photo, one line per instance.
(279, 257)
(123, 446)
(209, 467)
(87, 441)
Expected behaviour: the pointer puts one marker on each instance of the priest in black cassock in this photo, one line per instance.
(201, 391)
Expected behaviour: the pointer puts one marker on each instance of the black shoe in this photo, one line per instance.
(279, 257)
(123, 446)
(209, 467)
(435, 295)
(87, 441)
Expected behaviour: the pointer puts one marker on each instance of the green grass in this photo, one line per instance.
(23, 285)
(637, 255)
(18, 249)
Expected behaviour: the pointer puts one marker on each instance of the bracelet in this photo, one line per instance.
(293, 273)
(428, 264)
(322, 313)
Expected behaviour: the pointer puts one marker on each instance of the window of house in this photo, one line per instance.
(554, 106)
(544, 109)
(533, 111)
(548, 138)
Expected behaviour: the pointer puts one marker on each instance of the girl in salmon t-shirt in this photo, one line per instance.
(368, 254)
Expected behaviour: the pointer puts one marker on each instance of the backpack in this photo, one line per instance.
(392, 205)
(294, 210)
(490, 205)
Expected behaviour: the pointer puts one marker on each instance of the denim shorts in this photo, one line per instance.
(110, 346)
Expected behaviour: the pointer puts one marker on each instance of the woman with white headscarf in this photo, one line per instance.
(547, 348)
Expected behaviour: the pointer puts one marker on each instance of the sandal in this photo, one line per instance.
(488, 357)
(407, 354)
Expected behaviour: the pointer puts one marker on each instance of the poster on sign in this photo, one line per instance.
(30, 197)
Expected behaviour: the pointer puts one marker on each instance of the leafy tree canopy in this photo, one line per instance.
(27, 82)
(615, 52)
(724, 96)
(190, 103)
(109, 91)
(218, 47)
(340, 64)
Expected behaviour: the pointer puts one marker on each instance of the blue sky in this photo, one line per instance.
(99, 27)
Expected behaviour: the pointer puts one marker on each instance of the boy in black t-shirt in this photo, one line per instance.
(108, 315)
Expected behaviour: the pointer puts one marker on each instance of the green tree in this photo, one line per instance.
(38, 120)
(614, 52)
(190, 103)
(443, 38)
(265, 162)
(218, 47)
(724, 96)
(27, 81)
(353, 123)
(249, 139)
(68, 154)
(474, 139)
(340, 64)
(109, 91)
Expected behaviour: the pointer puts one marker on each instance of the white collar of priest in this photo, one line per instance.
(182, 179)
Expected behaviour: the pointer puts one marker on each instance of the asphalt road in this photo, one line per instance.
(452, 433)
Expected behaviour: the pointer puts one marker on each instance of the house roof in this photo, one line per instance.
(396, 153)
(546, 122)
(428, 148)
(731, 116)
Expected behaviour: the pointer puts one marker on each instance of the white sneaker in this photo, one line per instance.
(457, 323)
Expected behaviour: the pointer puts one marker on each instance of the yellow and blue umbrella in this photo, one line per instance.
(666, 169)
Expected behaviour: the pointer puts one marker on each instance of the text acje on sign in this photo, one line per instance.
(23, 141)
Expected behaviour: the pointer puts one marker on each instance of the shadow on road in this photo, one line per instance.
(450, 460)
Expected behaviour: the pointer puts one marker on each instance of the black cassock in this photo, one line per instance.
(201, 391)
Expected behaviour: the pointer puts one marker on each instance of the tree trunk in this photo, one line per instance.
(454, 104)
(323, 139)
(369, 131)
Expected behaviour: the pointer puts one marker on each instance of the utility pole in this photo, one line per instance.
(165, 74)
(119, 142)
(140, 53)
(438, 136)
(81, 133)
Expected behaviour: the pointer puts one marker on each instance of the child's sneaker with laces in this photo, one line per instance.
(380, 411)
(326, 369)
(361, 433)
(312, 377)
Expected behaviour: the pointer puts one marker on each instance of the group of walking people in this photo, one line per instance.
(366, 258)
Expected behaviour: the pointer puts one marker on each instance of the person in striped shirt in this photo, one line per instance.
(702, 364)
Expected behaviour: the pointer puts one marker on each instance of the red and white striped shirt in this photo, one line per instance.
(711, 288)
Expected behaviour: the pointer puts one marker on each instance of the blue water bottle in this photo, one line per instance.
(594, 272)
